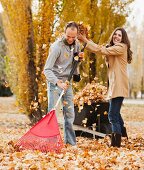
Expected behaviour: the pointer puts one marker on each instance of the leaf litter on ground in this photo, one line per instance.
(88, 154)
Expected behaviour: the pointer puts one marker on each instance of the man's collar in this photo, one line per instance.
(66, 43)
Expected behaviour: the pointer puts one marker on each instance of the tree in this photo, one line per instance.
(28, 39)
(136, 69)
(44, 24)
(30, 32)
(2, 52)
(102, 17)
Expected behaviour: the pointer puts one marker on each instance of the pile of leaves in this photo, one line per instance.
(92, 92)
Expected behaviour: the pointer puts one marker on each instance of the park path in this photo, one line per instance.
(132, 112)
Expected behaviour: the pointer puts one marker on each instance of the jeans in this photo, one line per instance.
(68, 110)
(114, 115)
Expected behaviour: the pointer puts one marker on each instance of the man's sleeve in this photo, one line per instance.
(54, 53)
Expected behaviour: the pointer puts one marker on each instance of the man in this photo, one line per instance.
(57, 70)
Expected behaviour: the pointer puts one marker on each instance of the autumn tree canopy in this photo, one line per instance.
(31, 26)
(28, 37)
(102, 17)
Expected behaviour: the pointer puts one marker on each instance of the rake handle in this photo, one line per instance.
(75, 63)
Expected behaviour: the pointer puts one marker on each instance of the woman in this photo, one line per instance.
(118, 54)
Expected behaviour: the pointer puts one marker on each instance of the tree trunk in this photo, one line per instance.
(35, 113)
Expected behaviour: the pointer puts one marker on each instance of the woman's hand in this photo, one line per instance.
(82, 38)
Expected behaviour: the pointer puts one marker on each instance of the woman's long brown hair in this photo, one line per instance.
(126, 41)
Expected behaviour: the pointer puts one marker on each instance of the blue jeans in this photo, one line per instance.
(68, 110)
(114, 114)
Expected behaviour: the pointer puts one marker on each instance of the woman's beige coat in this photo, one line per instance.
(116, 61)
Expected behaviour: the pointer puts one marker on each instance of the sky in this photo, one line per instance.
(137, 15)
(0, 8)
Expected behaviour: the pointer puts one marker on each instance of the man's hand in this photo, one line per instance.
(62, 85)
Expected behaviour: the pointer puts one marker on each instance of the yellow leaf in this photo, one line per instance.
(101, 66)
(44, 99)
(105, 113)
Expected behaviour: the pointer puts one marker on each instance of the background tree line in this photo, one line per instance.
(136, 70)
(31, 26)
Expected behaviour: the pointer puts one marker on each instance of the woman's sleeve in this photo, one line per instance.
(117, 49)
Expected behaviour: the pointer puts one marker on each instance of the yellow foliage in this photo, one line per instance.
(102, 17)
(28, 40)
(29, 36)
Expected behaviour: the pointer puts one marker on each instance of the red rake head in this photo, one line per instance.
(44, 136)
